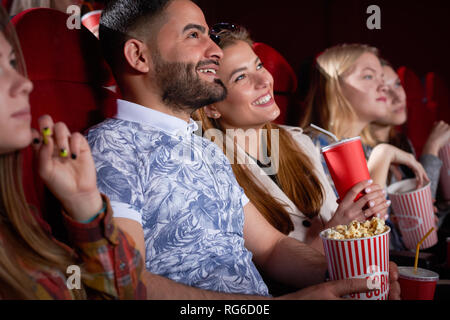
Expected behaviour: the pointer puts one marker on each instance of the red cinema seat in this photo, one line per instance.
(68, 73)
(438, 98)
(420, 118)
(285, 80)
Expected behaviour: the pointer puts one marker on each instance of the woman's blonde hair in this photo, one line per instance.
(23, 243)
(326, 104)
(295, 172)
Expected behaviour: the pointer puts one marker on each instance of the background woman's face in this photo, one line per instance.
(363, 86)
(15, 116)
(250, 101)
(397, 112)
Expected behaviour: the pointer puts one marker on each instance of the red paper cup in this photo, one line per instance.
(364, 258)
(444, 180)
(417, 286)
(414, 212)
(91, 21)
(347, 165)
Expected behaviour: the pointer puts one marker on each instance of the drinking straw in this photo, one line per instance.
(418, 248)
(325, 131)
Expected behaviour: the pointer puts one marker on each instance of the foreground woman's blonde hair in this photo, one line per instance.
(326, 105)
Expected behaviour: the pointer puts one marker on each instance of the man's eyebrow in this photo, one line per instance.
(202, 29)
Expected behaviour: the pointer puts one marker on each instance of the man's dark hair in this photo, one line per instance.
(122, 20)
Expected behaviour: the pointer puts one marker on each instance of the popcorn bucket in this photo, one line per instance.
(364, 258)
(414, 211)
(444, 180)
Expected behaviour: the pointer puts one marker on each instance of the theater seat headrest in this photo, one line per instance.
(59, 53)
(284, 76)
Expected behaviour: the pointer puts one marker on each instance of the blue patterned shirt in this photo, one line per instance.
(181, 188)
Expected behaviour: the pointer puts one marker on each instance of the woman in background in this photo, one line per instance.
(383, 131)
(347, 93)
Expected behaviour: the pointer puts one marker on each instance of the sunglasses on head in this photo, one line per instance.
(218, 27)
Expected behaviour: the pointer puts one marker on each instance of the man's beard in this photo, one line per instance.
(181, 87)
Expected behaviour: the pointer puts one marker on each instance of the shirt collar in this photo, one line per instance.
(133, 112)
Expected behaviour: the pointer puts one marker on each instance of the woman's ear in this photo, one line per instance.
(137, 55)
(212, 112)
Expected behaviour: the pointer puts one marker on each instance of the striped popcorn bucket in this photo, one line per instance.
(364, 258)
(414, 211)
(444, 155)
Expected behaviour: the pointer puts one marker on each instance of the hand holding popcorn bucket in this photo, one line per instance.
(365, 257)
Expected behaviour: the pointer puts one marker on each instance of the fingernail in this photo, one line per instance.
(386, 217)
(371, 204)
(384, 191)
(370, 181)
(368, 190)
(388, 202)
(63, 153)
(73, 156)
(36, 141)
(46, 131)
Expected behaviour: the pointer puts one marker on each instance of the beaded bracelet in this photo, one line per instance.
(103, 209)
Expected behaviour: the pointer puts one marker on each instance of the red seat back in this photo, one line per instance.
(285, 80)
(420, 118)
(68, 73)
(438, 98)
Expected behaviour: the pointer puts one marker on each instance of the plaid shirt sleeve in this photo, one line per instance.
(111, 266)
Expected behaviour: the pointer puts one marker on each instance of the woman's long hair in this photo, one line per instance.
(24, 245)
(326, 106)
(295, 172)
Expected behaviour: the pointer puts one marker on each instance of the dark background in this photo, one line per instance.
(413, 33)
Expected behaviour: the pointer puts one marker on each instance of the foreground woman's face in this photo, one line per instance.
(15, 116)
(250, 101)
